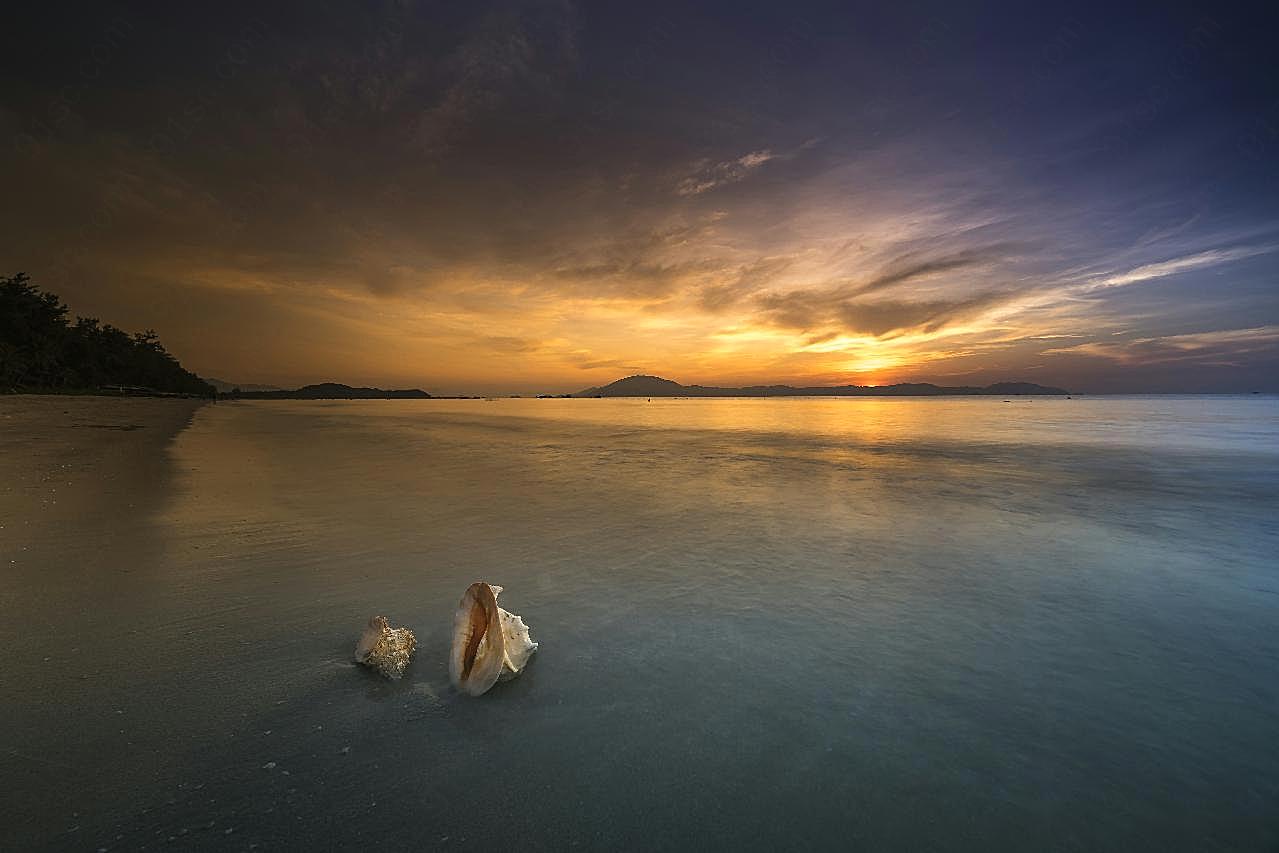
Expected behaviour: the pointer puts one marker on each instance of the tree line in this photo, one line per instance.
(40, 350)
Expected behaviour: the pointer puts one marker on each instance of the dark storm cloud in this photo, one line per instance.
(313, 145)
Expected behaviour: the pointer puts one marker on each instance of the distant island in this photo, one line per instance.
(42, 353)
(328, 391)
(655, 386)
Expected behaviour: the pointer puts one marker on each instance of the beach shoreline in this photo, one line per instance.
(72, 454)
(81, 479)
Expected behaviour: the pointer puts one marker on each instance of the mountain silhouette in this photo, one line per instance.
(656, 386)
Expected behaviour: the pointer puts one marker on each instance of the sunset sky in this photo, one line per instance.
(545, 196)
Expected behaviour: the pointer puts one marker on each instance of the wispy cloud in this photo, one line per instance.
(1222, 347)
(913, 267)
(746, 279)
(1175, 266)
(708, 176)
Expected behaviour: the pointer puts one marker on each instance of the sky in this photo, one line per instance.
(519, 197)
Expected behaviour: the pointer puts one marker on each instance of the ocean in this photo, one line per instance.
(885, 624)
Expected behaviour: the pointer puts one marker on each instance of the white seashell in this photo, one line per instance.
(489, 644)
(386, 649)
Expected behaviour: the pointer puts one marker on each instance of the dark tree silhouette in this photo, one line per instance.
(40, 350)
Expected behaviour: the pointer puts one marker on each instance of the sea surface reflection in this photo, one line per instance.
(764, 623)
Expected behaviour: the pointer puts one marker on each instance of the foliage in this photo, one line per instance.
(40, 350)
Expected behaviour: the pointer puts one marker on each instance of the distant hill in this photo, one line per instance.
(655, 386)
(638, 386)
(331, 391)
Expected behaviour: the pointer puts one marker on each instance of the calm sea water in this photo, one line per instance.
(930, 624)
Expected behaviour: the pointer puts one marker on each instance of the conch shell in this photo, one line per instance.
(489, 644)
(386, 649)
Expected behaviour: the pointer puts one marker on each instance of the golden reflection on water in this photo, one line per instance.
(1131, 421)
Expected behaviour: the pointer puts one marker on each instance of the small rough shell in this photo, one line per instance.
(385, 649)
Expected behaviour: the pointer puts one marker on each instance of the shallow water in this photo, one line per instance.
(935, 624)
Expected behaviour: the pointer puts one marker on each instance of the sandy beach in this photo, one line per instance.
(82, 458)
(80, 478)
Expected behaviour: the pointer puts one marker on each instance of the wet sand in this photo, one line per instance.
(84, 458)
(80, 478)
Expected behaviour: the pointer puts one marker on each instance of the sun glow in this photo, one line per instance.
(872, 362)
